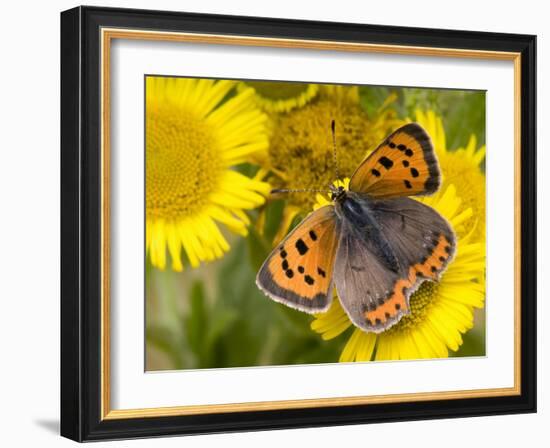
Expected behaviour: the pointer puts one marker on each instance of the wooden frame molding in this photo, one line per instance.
(87, 36)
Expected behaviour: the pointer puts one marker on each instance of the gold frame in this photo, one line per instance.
(107, 35)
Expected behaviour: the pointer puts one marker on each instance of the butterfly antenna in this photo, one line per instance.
(335, 157)
(299, 190)
(315, 190)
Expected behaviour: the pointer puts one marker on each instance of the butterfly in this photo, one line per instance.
(374, 243)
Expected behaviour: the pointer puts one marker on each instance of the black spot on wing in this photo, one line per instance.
(312, 235)
(309, 280)
(385, 162)
(319, 301)
(289, 273)
(321, 272)
(415, 131)
(368, 307)
(375, 172)
(301, 246)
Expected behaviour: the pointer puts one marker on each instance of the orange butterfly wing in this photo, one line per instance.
(298, 272)
(404, 165)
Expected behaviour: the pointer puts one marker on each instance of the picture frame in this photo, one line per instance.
(87, 208)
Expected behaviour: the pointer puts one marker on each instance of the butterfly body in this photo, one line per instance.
(373, 243)
(357, 210)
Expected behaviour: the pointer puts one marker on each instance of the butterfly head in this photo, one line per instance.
(337, 193)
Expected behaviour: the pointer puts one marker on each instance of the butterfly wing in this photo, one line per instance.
(403, 165)
(419, 236)
(374, 296)
(362, 280)
(298, 272)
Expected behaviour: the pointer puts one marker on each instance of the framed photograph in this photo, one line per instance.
(275, 224)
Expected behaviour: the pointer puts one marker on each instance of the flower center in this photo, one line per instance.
(301, 148)
(419, 302)
(278, 90)
(181, 162)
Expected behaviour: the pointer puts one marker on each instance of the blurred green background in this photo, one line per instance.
(215, 316)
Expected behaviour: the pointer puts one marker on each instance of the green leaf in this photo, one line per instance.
(196, 321)
(465, 118)
(163, 339)
(274, 215)
(247, 169)
(219, 323)
(258, 248)
(372, 98)
(294, 321)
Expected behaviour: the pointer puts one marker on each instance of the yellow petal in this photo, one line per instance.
(350, 350)
(174, 246)
(365, 348)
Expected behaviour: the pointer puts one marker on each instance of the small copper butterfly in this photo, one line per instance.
(374, 243)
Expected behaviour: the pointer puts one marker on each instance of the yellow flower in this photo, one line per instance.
(281, 96)
(340, 93)
(440, 312)
(460, 167)
(195, 134)
(301, 149)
